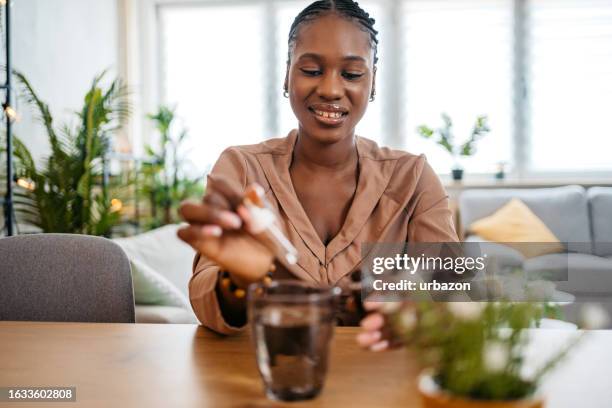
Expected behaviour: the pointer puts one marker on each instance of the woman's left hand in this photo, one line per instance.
(372, 328)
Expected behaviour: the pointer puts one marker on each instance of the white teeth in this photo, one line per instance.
(333, 115)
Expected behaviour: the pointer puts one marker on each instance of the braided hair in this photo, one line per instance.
(344, 8)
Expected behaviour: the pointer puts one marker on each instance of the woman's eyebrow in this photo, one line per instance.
(311, 56)
(354, 58)
(318, 57)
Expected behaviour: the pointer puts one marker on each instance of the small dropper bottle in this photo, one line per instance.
(264, 223)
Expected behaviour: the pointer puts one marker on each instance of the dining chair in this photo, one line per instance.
(64, 278)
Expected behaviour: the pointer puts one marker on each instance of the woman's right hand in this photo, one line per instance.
(218, 229)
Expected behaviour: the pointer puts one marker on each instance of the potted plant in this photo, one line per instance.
(165, 181)
(472, 353)
(64, 192)
(446, 139)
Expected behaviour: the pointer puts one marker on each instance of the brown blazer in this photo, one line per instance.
(399, 198)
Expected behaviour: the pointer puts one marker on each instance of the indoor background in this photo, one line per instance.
(540, 70)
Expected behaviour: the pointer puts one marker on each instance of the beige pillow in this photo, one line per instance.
(515, 222)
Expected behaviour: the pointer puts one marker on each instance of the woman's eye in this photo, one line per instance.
(351, 75)
(311, 72)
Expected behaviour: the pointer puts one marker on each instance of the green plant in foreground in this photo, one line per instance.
(63, 193)
(446, 139)
(476, 350)
(164, 180)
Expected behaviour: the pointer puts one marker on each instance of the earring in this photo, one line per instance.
(286, 93)
(373, 96)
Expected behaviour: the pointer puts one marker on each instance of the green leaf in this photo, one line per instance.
(425, 131)
(67, 189)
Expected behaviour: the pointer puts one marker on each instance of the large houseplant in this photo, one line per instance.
(64, 192)
(445, 137)
(165, 181)
(473, 352)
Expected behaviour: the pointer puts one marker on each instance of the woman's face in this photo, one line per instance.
(330, 78)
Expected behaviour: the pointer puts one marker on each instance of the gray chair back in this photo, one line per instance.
(64, 277)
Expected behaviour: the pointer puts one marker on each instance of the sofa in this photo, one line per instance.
(161, 267)
(580, 218)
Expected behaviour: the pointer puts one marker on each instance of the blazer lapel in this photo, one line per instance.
(276, 168)
(375, 172)
(374, 177)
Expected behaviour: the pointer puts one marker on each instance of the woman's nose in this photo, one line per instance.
(331, 86)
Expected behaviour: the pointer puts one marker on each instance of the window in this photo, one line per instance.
(218, 91)
(458, 60)
(541, 70)
(284, 18)
(570, 84)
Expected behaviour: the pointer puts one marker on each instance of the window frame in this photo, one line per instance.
(142, 66)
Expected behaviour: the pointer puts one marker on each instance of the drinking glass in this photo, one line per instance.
(292, 324)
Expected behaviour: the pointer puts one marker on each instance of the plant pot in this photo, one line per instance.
(433, 397)
(457, 174)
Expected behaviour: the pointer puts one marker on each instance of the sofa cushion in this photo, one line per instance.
(564, 210)
(513, 225)
(600, 205)
(503, 255)
(575, 273)
(151, 288)
(164, 252)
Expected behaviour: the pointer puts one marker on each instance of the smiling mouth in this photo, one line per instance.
(327, 114)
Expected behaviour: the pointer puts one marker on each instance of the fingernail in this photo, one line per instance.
(380, 346)
(390, 307)
(372, 322)
(362, 338)
(369, 337)
(231, 219)
(212, 230)
(244, 213)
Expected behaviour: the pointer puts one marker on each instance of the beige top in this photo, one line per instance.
(399, 198)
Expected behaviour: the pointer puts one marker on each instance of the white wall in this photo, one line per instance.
(60, 45)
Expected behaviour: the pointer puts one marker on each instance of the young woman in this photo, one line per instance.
(332, 190)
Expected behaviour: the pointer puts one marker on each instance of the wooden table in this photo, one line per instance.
(140, 365)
